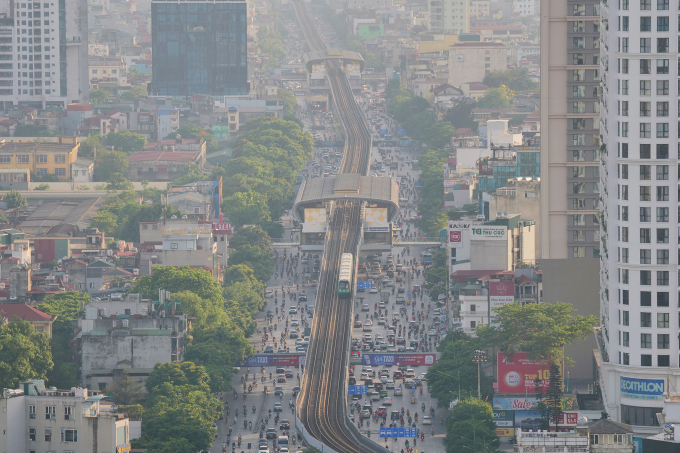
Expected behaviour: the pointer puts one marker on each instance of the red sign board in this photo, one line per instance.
(519, 373)
(455, 236)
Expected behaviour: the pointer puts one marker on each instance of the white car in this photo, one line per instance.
(387, 401)
(433, 332)
(373, 291)
(427, 420)
(294, 323)
(375, 396)
(398, 391)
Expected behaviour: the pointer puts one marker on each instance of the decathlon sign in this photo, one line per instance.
(642, 389)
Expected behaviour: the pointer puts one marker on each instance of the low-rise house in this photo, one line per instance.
(41, 322)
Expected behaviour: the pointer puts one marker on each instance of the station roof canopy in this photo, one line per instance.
(372, 189)
(319, 56)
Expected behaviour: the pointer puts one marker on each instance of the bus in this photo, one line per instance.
(345, 277)
(427, 258)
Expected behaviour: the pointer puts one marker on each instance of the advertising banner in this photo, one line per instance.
(489, 233)
(274, 360)
(456, 238)
(642, 389)
(505, 419)
(518, 374)
(500, 293)
(533, 419)
(398, 359)
(505, 432)
(377, 217)
(522, 403)
(315, 216)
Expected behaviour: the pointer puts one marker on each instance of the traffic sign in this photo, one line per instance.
(357, 390)
(401, 131)
(365, 284)
(384, 131)
(399, 432)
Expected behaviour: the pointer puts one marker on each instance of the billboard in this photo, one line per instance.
(505, 432)
(525, 403)
(489, 233)
(377, 217)
(642, 389)
(400, 359)
(518, 374)
(504, 418)
(500, 293)
(533, 419)
(275, 360)
(456, 238)
(315, 216)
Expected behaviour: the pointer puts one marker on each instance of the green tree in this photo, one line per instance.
(470, 428)
(439, 135)
(33, 130)
(24, 353)
(239, 273)
(118, 181)
(108, 163)
(89, 145)
(14, 200)
(105, 221)
(289, 104)
(550, 398)
(541, 329)
(126, 141)
(494, 98)
(191, 173)
(3, 218)
(246, 208)
(66, 307)
(43, 186)
(251, 235)
(99, 96)
(460, 115)
(207, 312)
(177, 279)
(254, 257)
(196, 132)
(125, 390)
(133, 93)
(515, 79)
(179, 374)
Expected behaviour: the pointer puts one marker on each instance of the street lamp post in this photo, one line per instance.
(480, 356)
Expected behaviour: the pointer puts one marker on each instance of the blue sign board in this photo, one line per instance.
(384, 131)
(401, 131)
(365, 284)
(399, 432)
(357, 390)
(642, 389)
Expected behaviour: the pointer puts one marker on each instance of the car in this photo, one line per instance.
(373, 291)
(381, 305)
(270, 313)
(387, 401)
(381, 321)
(383, 379)
(294, 323)
(401, 348)
(302, 297)
(399, 278)
(263, 449)
(315, 283)
(293, 334)
(398, 391)
(401, 290)
(289, 373)
(378, 385)
(278, 391)
(401, 340)
(358, 324)
(375, 396)
(382, 410)
(389, 384)
(278, 407)
(410, 373)
(423, 377)
(281, 378)
(283, 450)
(427, 420)
(292, 310)
(365, 413)
(395, 415)
(263, 442)
(284, 424)
(280, 351)
(365, 307)
(400, 301)
(271, 433)
(269, 293)
(433, 332)
(269, 349)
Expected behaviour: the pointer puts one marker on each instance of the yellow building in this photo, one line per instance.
(41, 322)
(41, 158)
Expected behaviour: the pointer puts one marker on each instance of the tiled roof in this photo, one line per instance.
(177, 156)
(25, 312)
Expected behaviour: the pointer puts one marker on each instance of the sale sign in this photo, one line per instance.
(518, 373)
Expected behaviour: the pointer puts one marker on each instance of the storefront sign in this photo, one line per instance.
(456, 238)
(505, 432)
(500, 293)
(398, 359)
(642, 389)
(169, 231)
(492, 233)
(518, 373)
(504, 419)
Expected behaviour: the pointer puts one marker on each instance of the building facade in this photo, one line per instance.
(43, 62)
(449, 16)
(570, 136)
(199, 48)
(41, 158)
(638, 340)
(472, 61)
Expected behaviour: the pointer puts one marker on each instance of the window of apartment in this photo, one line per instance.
(579, 43)
(624, 192)
(645, 172)
(662, 237)
(645, 151)
(174, 245)
(645, 66)
(40, 172)
(579, 187)
(624, 279)
(625, 318)
(646, 340)
(624, 150)
(645, 45)
(624, 213)
(662, 66)
(661, 149)
(645, 24)
(645, 256)
(662, 23)
(50, 412)
(60, 172)
(578, 139)
(578, 123)
(624, 108)
(579, 252)
(23, 158)
(645, 235)
(664, 360)
(31, 411)
(624, 234)
(578, 107)
(579, 235)
(646, 278)
(624, 66)
(662, 214)
(626, 358)
(579, 155)
(5, 158)
(662, 300)
(645, 193)
(578, 59)
(662, 5)
(48, 434)
(578, 204)
(662, 193)
(661, 171)
(645, 320)
(579, 75)
(645, 5)
(68, 412)
(624, 129)
(578, 91)
(662, 110)
(661, 45)
(578, 172)
(41, 158)
(645, 109)
(662, 341)
(624, 255)
(473, 324)
(645, 130)
(662, 87)
(60, 158)
(662, 278)
(69, 435)
(624, 23)
(626, 339)
(578, 10)
(645, 87)
(624, 45)
(31, 434)
(662, 130)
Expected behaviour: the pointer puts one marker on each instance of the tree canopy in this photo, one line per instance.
(515, 79)
(107, 163)
(99, 96)
(24, 353)
(540, 329)
(126, 141)
(14, 200)
(133, 93)
(470, 428)
(495, 98)
(33, 130)
(177, 279)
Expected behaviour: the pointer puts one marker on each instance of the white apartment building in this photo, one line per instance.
(472, 61)
(447, 16)
(43, 53)
(36, 419)
(638, 341)
(524, 8)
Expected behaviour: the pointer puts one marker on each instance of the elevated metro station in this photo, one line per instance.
(353, 65)
(317, 198)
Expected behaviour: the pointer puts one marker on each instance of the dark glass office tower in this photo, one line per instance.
(199, 47)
